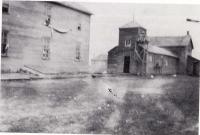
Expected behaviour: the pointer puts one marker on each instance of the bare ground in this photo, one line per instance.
(135, 105)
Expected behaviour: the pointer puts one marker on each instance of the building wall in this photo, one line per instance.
(168, 64)
(197, 69)
(181, 52)
(25, 23)
(116, 61)
(193, 67)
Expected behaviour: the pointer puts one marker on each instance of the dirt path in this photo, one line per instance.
(116, 92)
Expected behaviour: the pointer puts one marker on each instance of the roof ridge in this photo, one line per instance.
(170, 40)
(131, 24)
(160, 50)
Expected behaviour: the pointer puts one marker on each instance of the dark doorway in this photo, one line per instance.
(126, 64)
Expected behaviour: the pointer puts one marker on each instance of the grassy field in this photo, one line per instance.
(116, 105)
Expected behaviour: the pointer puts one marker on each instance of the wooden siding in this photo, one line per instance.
(181, 53)
(25, 23)
(129, 34)
(168, 64)
(193, 66)
(116, 62)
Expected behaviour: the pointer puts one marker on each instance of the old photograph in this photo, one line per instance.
(100, 68)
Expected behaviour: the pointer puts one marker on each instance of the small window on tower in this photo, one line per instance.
(5, 8)
(127, 43)
(143, 32)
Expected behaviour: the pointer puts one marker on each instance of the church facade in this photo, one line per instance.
(139, 54)
(48, 37)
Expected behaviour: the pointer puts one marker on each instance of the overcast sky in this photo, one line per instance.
(159, 20)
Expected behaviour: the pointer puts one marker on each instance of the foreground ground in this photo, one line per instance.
(116, 105)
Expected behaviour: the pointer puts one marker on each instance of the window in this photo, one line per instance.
(78, 53)
(79, 27)
(46, 48)
(48, 14)
(142, 33)
(166, 62)
(4, 43)
(127, 43)
(5, 8)
(189, 50)
(48, 20)
(150, 58)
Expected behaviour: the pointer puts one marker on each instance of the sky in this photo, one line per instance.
(158, 19)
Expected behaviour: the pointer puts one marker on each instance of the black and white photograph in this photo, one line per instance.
(110, 68)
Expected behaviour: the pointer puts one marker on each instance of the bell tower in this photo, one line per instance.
(132, 37)
(130, 34)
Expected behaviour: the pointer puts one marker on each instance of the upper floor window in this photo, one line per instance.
(48, 20)
(79, 27)
(4, 43)
(5, 8)
(189, 50)
(46, 48)
(48, 14)
(78, 52)
(166, 63)
(127, 43)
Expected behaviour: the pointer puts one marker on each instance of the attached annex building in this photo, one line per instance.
(139, 54)
(45, 36)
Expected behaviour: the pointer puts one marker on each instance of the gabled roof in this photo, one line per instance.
(73, 5)
(131, 24)
(149, 48)
(159, 50)
(170, 41)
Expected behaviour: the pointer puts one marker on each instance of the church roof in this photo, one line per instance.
(73, 5)
(131, 24)
(149, 48)
(162, 51)
(170, 41)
